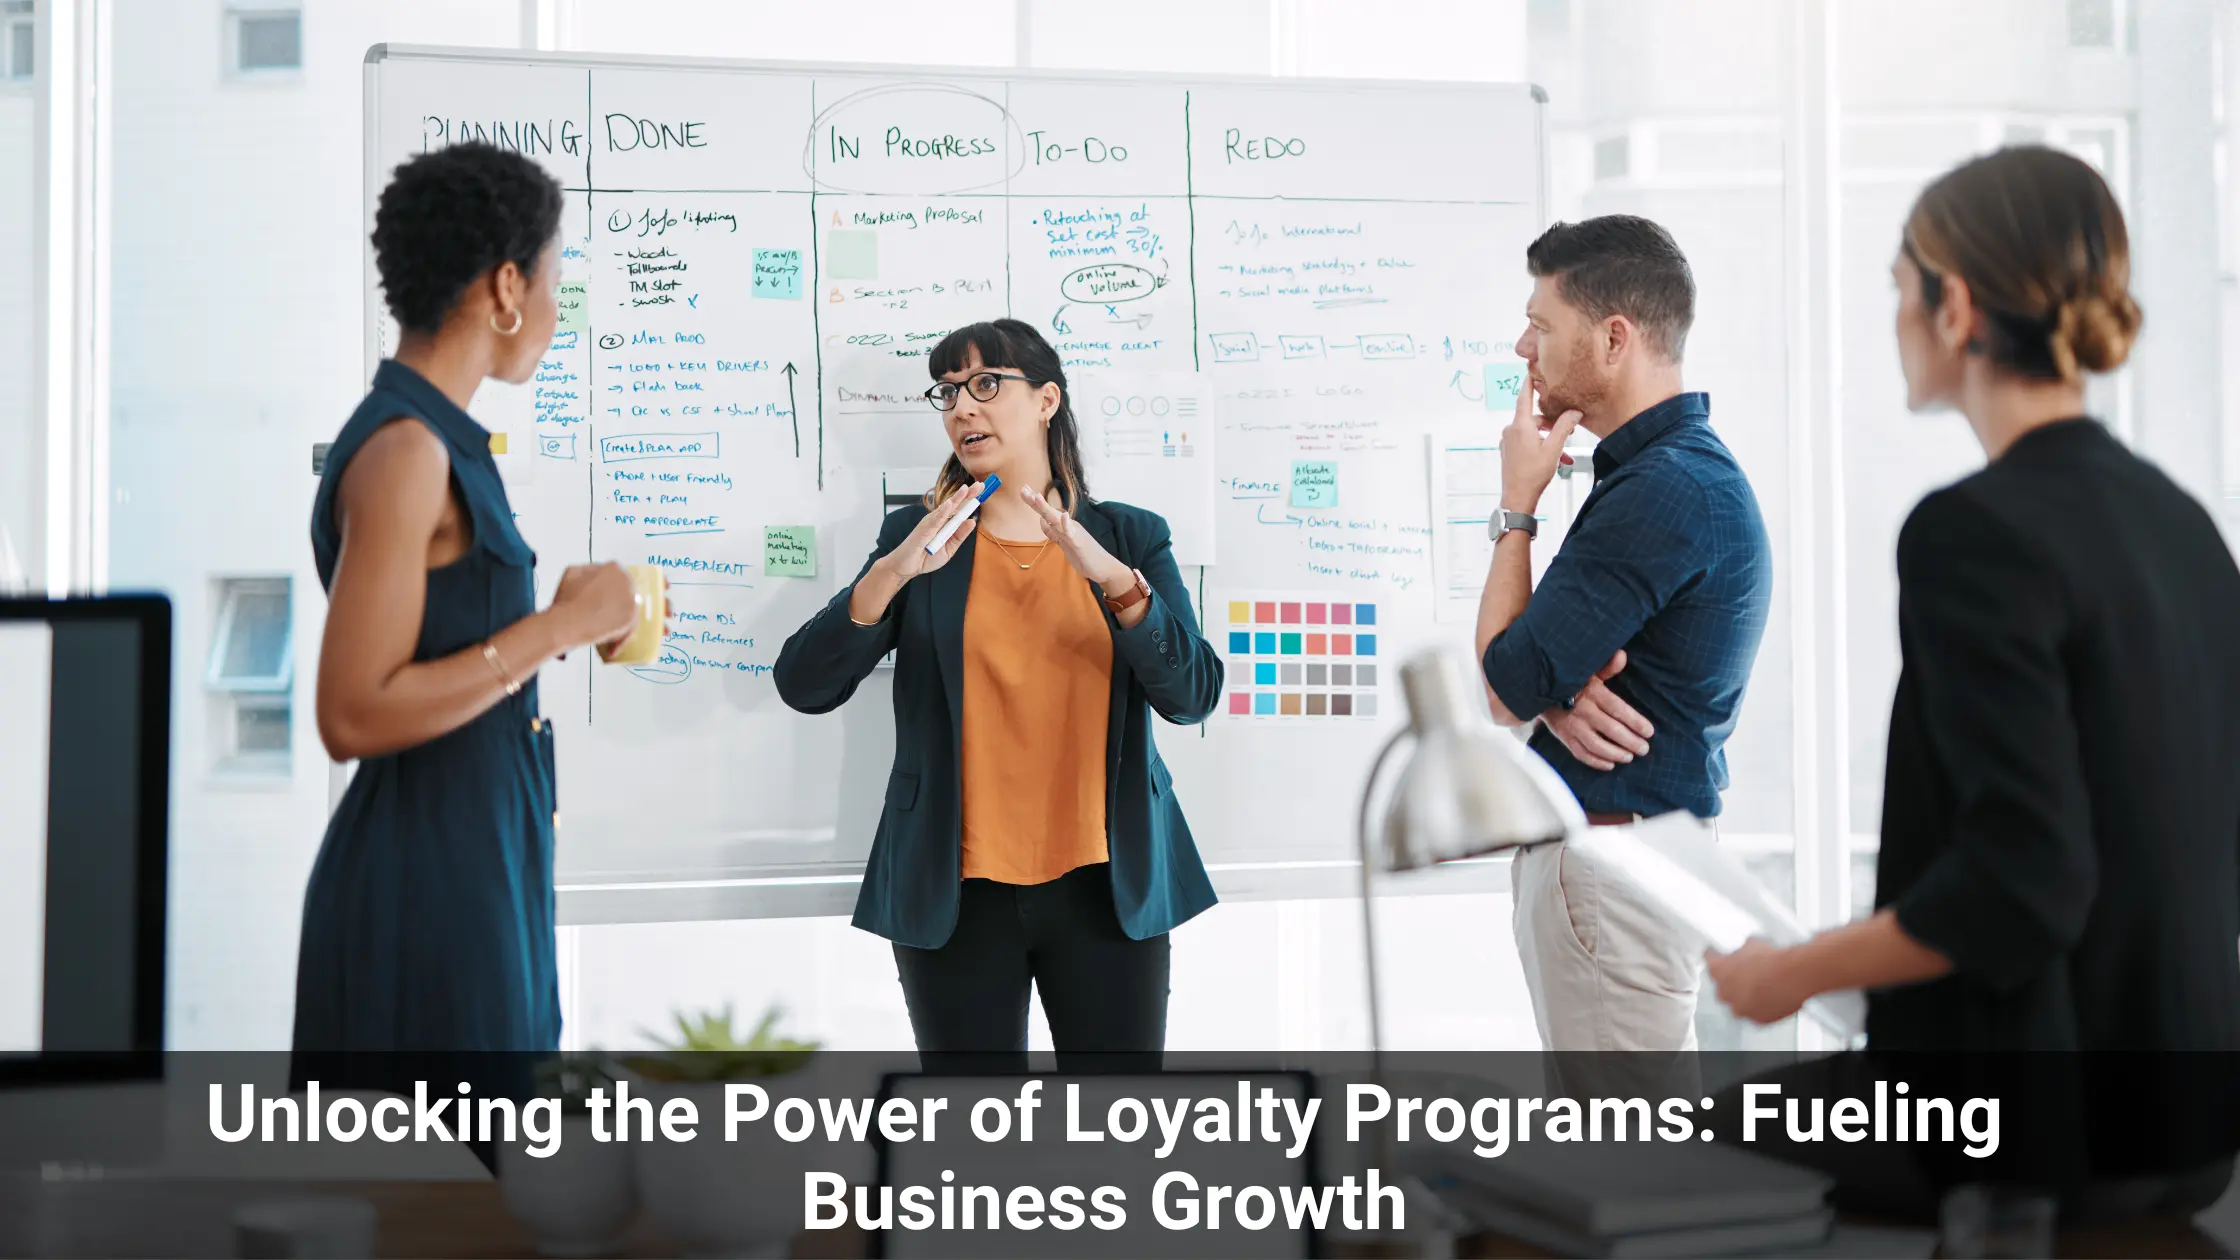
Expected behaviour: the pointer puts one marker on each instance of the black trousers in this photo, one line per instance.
(1104, 994)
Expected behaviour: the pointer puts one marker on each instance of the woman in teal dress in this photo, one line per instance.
(428, 922)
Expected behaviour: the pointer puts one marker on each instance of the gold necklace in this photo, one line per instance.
(1038, 551)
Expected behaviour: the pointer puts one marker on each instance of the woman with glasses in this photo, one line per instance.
(1031, 838)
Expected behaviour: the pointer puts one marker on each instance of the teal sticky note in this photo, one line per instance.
(777, 274)
(1314, 483)
(789, 550)
(851, 254)
(1503, 380)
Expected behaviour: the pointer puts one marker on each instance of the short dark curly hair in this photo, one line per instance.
(1621, 264)
(450, 215)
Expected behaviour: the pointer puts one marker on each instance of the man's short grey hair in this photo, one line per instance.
(1621, 264)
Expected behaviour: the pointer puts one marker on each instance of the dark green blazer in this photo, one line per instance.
(1162, 665)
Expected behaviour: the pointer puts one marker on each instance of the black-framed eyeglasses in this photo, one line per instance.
(983, 385)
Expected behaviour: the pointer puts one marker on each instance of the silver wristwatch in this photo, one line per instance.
(1504, 520)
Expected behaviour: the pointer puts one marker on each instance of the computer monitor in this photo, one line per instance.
(85, 768)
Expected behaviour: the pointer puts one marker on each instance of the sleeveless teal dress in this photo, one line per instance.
(428, 922)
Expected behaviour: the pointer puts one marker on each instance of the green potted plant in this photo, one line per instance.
(718, 1197)
(706, 1049)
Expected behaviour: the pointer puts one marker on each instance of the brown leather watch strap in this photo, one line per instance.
(1135, 595)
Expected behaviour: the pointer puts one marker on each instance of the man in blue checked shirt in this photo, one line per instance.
(1634, 652)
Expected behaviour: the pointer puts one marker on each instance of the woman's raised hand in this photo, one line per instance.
(1084, 553)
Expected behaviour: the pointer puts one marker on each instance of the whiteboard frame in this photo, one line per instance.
(832, 892)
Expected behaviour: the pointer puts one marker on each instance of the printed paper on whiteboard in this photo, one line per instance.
(1465, 491)
(1675, 861)
(1147, 441)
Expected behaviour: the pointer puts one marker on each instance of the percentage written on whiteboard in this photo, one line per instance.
(1503, 380)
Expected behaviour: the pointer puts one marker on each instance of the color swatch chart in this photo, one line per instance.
(1300, 658)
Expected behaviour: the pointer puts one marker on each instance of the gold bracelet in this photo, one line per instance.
(882, 612)
(490, 654)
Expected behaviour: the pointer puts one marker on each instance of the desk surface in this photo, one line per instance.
(128, 1217)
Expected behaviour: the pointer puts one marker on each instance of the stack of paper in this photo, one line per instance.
(1676, 862)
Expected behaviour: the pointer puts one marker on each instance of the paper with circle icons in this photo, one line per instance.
(1147, 440)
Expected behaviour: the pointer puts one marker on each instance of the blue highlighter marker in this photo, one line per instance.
(940, 540)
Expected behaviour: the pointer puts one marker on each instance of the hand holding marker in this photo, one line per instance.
(935, 539)
(940, 540)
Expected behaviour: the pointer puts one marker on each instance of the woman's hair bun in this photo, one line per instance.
(2093, 332)
(2040, 242)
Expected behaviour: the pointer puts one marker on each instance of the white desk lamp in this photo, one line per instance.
(1468, 790)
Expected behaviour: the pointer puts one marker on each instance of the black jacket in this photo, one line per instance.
(1162, 665)
(2061, 809)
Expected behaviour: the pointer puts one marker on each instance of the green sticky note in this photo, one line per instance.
(851, 254)
(1503, 380)
(1314, 483)
(777, 274)
(575, 305)
(789, 550)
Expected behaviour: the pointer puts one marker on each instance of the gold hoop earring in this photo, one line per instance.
(506, 332)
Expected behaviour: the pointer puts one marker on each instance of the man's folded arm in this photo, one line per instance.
(1616, 570)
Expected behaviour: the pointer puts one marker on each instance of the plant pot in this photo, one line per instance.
(578, 1200)
(719, 1198)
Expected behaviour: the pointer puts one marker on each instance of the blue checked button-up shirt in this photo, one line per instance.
(1668, 559)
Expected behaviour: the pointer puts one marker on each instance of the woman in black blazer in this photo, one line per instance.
(2060, 862)
(1031, 836)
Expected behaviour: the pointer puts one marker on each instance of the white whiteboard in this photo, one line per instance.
(1321, 272)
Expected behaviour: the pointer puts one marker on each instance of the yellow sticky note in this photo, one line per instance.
(1240, 612)
(497, 444)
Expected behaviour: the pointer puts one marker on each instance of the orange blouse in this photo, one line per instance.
(1037, 693)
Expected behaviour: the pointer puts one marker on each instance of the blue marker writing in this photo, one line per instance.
(941, 539)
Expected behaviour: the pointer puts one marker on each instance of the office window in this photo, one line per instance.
(2096, 24)
(1613, 157)
(1547, 19)
(18, 35)
(15, 575)
(252, 647)
(262, 728)
(20, 447)
(1719, 151)
(250, 673)
(265, 41)
(2098, 146)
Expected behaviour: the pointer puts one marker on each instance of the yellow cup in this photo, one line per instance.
(643, 644)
